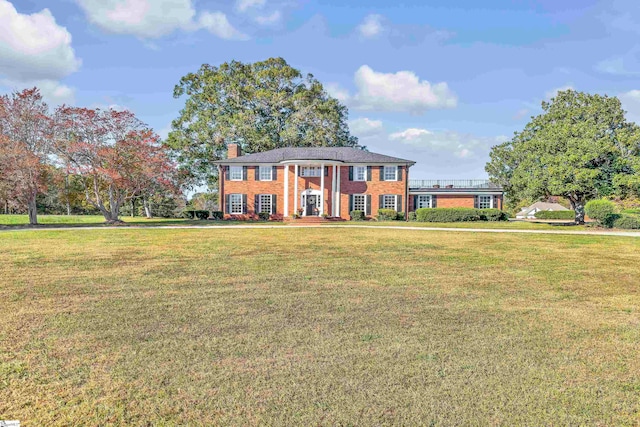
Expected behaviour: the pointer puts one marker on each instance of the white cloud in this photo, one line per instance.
(53, 92)
(463, 146)
(337, 92)
(244, 5)
(401, 91)
(553, 92)
(268, 19)
(148, 19)
(34, 47)
(371, 26)
(363, 127)
(631, 103)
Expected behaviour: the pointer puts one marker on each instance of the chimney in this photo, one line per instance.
(233, 151)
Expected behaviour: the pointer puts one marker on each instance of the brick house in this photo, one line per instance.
(333, 181)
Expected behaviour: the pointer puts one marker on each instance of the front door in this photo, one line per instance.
(312, 204)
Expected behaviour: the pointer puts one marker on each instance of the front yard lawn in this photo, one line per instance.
(336, 326)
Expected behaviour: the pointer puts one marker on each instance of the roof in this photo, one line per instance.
(340, 154)
(543, 206)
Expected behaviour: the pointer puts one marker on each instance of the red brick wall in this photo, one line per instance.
(375, 187)
(457, 201)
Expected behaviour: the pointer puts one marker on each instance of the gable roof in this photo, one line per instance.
(543, 206)
(339, 154)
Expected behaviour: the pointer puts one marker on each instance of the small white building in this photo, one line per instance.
(530, 212)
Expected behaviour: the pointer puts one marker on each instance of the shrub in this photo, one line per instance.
(627, 222)
(201, 214)
(264, 216)
(412, 216)
(217, 215)
(387, 215)
(493, 215)
(188, 214)
(447, 214)
(601, 210)
(357, 215)
(556, 215)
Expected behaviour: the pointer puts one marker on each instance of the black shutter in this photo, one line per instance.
(368, 206)
(434, 200)
(380, 201)
(227, 204)
(326, 171)
(350, 203)
(256, 204)
(299, 170)
(257, 172)
(226, 173)
(415, 202)
(381, 173)
(273, 204)
(475, 202)
(350, 173)
(274, 173)
(399, 204)
(244, 173)
(244, 203)
(399, 173)
(368, 173)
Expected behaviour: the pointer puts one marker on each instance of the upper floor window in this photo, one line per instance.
(390, 173)
(485, 202)
(236, 173)
(311, 171)
(266, 173)
(359, 173)
(424, 201)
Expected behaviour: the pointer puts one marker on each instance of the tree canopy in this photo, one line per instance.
(260, 106)
(580, 147)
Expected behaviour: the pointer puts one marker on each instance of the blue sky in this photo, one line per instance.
(438, 82)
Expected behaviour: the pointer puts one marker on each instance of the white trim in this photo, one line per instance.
(334, 187)
(430, 204)
(338, 195)
(260, 167)
(295, 189)
(231, 212)
(395, 201)
(355, 173)
(286, 190)
(321, 189)
(395, 175)
(490, 201)
(353, 207)
(303, 196)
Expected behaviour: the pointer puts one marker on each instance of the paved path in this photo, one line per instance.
(373, 227)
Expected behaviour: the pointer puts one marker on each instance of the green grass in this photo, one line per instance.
(318, 327)
(8, 221)
(505, 225)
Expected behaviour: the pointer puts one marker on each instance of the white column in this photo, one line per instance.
(295, 189)
(321, 188)
(286, 191)
(338, 191)
(333, 191)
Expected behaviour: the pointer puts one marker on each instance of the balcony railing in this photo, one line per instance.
(452, 183)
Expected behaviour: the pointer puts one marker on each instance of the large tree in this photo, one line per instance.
(261, 106)
(25, 130)
(580, 147)
(115, 155)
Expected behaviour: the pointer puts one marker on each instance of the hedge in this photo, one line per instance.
(556, 215)
(447, 214)
(389, 215)
(192, 214)
(493, 215)
(627, 222)
(601, 210)
(357, 215)
(412, 216)
(217, 215)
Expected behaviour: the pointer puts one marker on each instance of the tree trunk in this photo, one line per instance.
(147, 208)
(577, 205)
(66, 189)
(133, 207)
(33, 211)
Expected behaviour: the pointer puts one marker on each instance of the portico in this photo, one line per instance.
(307, 200)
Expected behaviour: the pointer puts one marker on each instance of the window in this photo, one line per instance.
(264, 203)
(359, 174)
(485, 202)
(235, 204)
(389, 201)
(424, 201)
(391, 173)
(311, 171)
(265, 173)
(236, 173)
(359, 202)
